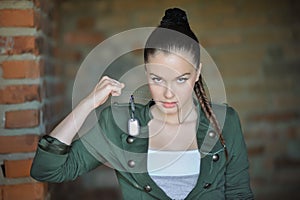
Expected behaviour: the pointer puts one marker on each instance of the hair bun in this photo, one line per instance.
(174, 17)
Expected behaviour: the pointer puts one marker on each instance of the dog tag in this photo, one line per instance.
(133, 127)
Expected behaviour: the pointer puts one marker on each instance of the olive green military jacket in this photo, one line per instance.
(219, 178)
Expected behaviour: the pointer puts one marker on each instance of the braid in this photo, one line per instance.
(201, 95)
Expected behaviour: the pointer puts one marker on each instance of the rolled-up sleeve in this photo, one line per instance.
(54, 162)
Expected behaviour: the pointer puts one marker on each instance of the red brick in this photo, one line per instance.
(58, 69)
(21, 119)
(17, 144)
(267, 36)
(38, 18)
(20, 18)
(286, 162)
(213, 41)
(275, 117)
(247, 105)
(6, 44)
(85, 23)
(85, 38)
(25, 191)
(17, 168)
(244, 22)
(235, 57)
(120, 6)
(70, 71)
(24, 44)
(68, 54)
(55, 31)
(228, 71)
(256, 151)
(258, 7)
(293, 132)
(289, 100)
(37, 3)
(22, 69)
(14, 94)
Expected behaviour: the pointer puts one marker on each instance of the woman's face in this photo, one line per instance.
(171, 80)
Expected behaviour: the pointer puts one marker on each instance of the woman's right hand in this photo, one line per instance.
(104, 88)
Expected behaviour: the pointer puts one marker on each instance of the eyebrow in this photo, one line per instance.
(185, 74)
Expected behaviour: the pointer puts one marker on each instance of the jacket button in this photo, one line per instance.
(147, 188)
(215, 157)
(212, 134)
(131, 163)
(207, 185)
(130, 139)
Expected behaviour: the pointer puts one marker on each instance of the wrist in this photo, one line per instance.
(87, 105)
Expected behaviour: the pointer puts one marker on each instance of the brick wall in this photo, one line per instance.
(254, 43)
(30, 91)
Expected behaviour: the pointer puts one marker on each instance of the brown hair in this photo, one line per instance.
(171, 36)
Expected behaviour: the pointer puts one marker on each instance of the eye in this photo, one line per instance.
(182, 80)
(156, 79)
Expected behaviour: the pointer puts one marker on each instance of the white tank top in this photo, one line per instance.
(175, 172)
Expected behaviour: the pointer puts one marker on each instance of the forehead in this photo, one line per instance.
(163, 63)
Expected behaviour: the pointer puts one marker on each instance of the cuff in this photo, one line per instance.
(53, 145)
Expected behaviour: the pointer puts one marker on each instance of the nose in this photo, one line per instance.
(168, 93)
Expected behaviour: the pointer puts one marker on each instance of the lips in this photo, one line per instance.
(169, 104)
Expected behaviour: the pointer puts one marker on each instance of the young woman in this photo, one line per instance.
(180, 151)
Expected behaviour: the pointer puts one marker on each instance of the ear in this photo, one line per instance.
(199, 71)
